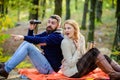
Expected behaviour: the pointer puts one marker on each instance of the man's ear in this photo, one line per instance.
(59, 25)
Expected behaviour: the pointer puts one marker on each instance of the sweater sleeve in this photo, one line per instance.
(49, 40)
(66, 50)
(70, 59)
(82, 45)
(67, 53)
(30, 32)
(79, 53)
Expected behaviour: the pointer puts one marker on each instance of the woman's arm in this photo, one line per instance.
(66, 50)
(80, 49)
(69, 57)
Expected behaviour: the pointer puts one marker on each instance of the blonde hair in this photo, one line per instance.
(75, 25)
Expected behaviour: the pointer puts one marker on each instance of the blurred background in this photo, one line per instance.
(99, 22)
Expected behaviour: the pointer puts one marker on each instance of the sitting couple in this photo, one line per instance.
(69, 50)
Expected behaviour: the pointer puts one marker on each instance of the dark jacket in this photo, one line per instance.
(52, 50)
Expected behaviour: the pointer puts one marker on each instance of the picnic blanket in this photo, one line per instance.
(33, 74)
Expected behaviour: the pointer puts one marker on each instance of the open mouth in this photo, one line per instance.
(67, 34)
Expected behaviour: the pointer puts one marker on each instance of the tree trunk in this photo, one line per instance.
(92, 21)
(116, 44)
(113, 4)
(99, 10)
(18, 11)
(76, 6)
(83, 26)
(3, 8)
(67, 9)
(34, 12)
(43, 4)
(58, 7)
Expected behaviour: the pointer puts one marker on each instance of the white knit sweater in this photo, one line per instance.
(71, 55)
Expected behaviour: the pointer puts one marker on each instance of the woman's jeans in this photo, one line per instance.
(35, 55)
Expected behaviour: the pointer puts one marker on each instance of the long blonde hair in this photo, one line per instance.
(75, 25)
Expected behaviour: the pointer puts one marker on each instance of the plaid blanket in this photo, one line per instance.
(33, 74)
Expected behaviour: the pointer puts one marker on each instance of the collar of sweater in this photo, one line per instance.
(59, 30)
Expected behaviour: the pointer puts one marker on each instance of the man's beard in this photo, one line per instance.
(50, 30)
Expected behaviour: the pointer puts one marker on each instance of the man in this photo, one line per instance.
(46, 61)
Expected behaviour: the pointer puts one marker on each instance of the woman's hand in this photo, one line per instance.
(91, 45)
(17, 37)
(77, 44)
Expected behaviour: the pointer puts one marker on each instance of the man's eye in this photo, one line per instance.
(53, 23)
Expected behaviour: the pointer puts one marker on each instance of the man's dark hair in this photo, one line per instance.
(57, 17)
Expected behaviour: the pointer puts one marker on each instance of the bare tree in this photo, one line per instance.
(92, 21)
(3, 7)
(116, 44)
(34, 12)
(43, 5)
(58, 7)
(83, 26)
(113, 4)
(76, 6)
(99, 10)
(67, 9)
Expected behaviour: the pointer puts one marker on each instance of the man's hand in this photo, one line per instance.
(32, 26)
(42, 44)
(17, 37)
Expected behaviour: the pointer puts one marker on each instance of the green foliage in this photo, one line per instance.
(1, 49)
(5, 22)
(24, 64)
(4, 58)
(116, 55)
(108, 3)
(115, 52)
(22, 4)
(3, 37)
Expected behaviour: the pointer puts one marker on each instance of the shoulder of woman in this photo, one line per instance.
(65, 41)
(82, 37)
(65, 44)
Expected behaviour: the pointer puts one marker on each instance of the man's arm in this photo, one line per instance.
(52, 39)
(49, 40)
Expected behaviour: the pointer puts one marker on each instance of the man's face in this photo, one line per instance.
(52, 25)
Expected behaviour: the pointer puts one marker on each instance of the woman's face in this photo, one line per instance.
(69, 30)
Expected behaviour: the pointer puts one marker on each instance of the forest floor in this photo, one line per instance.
(102, 41)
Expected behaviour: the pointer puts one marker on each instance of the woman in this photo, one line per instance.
(77, 62)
